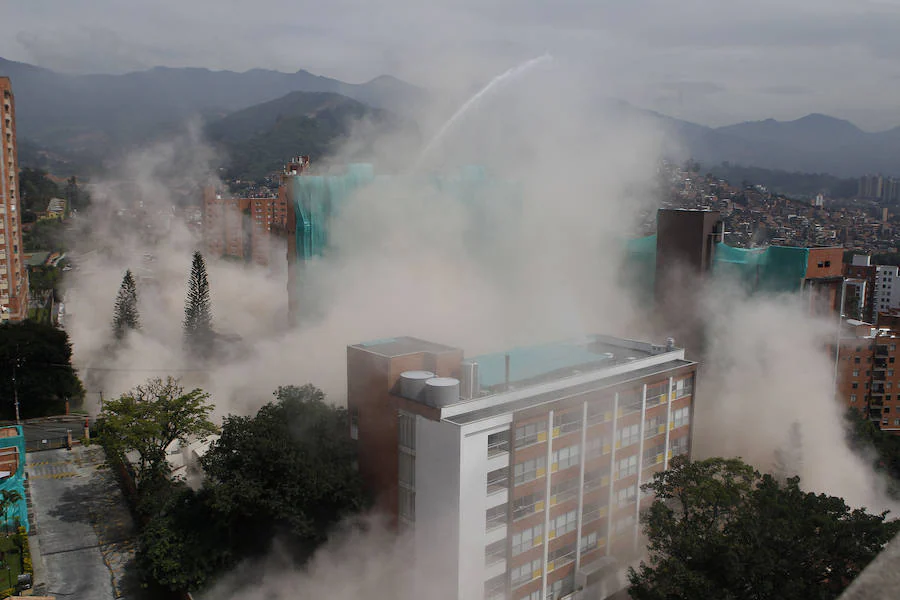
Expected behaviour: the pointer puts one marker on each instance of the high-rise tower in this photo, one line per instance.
(13, 276)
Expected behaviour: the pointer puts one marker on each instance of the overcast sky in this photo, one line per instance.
(710, 61)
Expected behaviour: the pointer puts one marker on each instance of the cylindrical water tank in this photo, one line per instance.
(413, 382)
(442, 391)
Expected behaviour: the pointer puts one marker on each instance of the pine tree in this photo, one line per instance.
(126, 315)
(198, 333)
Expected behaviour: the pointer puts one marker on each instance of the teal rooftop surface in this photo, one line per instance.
(535, 362)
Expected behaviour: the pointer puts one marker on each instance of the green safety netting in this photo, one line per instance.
(16, 481)
(317, 199)
(773, 269)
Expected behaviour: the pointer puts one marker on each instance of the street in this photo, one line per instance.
(83, 545)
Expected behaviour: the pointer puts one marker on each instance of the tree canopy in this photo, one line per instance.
(149, 418)
(287, 472)
(719, 529)
(40, 357)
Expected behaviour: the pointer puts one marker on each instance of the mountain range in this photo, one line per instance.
(95, 116)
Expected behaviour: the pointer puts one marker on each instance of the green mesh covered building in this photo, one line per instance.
(314, 201)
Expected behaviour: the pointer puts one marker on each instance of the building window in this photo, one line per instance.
(588, 542)
(854, 385)
(684, 387)
(407, 503)
(597, 446)
(626, 495)
(498, 480)
(852, 397)
(495, 588)
(596, 478)
(530, 470)
(631, 401)
(654, 426)
(893, 347)
(535, 595)
(407, 469)
(526, 540)
(563, 524)
(494, 553)
(498, 443)
(856, 372)
(593, 511)
(679, 446)
(567, 422)
(627, 467)
(890, 372)
(896, 421)
(495, 517)
(564, 491)
(532, 433)
(561, 556)
(528, 505)
(681, 416)
(856, 360)
(563, 587)
(407, 430)
(527, 572)
(599, 411)
(566, 457)
(630, 434)
(657, 393)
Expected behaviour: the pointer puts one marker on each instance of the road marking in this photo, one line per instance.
(56, 475)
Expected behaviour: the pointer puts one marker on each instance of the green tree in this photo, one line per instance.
(185, 544)
(126, 317)
(198, 332)
(718, 529)
(290, 469)
(39, 357)
(36, 189)
(49, 234)
(880, 447)
(148, 419)
(8, 499)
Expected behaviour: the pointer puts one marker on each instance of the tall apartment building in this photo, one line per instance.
(886, 295)
(868, 372)
(518, 474)
(13, 273)
(241, 228)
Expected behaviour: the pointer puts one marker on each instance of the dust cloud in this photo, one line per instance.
(408, 260)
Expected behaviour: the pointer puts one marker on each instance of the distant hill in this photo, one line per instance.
(258, 139)
(95, 115)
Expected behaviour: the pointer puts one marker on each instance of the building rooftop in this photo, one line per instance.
(573, 387)
(400, 346)
(556, 359)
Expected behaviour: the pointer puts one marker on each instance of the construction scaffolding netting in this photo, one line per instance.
(773, 269)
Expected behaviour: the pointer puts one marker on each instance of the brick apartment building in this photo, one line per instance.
(518, 474)
(241, 228)
(13, 272)
(868, 372)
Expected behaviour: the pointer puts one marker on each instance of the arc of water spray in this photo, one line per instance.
(493, 85)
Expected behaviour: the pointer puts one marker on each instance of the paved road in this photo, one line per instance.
(84, 531)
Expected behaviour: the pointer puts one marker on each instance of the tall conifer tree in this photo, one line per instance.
(126, 316)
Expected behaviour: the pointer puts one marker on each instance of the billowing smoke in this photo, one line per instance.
(408, 260)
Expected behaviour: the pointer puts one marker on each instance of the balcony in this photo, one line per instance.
(878, 375)
(881, 350)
